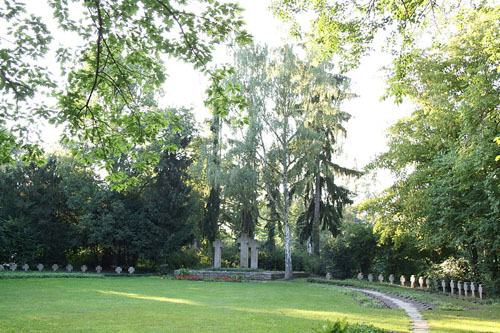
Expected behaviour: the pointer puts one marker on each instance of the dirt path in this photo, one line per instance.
(397, 302)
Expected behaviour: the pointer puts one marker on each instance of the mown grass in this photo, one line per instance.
(152, 304)
(451, 314)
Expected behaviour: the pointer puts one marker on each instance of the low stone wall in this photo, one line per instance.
(257, 275)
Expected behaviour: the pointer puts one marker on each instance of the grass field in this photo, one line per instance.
(152, 304)
(162, 305)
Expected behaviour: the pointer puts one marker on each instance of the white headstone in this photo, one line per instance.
(98, 268)
(412, 281)
(39, 267)
(26, 267)
(466, 287)
(391, 278)
(118, 270)
(360, 276)
(459, 286)
(83, 268)
(69, 268)
(480, 289)
(473, 289)
(55, 267)
(380, 278)
(421, 282)
(443, 284)
(370, 277)
(452, 287)
(13, 267)
(402, 279)
(131, 270)
(428, 283)
(328, 276)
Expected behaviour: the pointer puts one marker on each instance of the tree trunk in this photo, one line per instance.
(315, 226)
(288, 250)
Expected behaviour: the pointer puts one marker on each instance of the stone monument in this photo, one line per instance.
(217, 252)
(254, 253)
(243, 240)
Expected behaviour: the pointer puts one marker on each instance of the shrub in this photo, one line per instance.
(342, 326)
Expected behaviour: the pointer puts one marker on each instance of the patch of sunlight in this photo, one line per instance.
(464, 325)
(151, 298)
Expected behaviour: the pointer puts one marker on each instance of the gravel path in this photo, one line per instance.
(397, 302)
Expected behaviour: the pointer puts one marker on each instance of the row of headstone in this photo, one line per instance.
(245, 245)
(453, 286)
(69, 268)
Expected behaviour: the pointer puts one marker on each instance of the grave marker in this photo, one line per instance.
(421, 282)
(466, 288)
(254, 253)
(459, 286)
(391, 278)
(380, 278)
(452, 287)
(360, 276)
(480, 289)
(412, 281)
(55, 267)
(69, 268)
(217, 252)
(131, 270)
(402, 279)
(39, 267)
(98, 268)
(443, 284)
(428, 283)
(473, 289)
(83, 268)
(243, 240)
(13, 267)
(118, 270)
(26, 267)
(328, 276)
(370, 277)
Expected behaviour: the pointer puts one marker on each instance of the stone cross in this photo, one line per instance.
(370, 277)
(118, 270)
(328, 276)
(443, 284)
(217, 252)
(98, 268)
(243, 240)
(360, 276)
(69, 268)
(466, 287)
(459, 286)
(402, 279)
(83, 268)
(55, 267)
(412, 281)
(391, 278)
(380, 278)
(473, 289)
(452, 287)
(421, 282)
(480, 289)
(13, 267)
(131, 270)
(26, 267)
(39, 267)
(254, 253)
(428, 283)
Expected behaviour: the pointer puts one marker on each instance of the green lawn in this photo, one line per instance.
(155, 304)
(148, 304)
